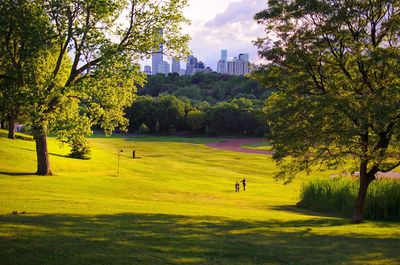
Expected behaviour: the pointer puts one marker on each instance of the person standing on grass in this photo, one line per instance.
(244, 182)
(237, 186)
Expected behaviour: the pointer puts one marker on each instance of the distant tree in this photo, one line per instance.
(336, 67)
(103, 73)
(196, 120)
(170, 112)
(142, 111)
(192, 92)
(224, 118)
(22, 26)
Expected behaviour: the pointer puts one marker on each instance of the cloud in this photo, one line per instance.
(233, 29)
(243, 10)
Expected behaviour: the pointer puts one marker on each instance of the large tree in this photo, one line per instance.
(336, 66)
(21, 28)
(99, 43)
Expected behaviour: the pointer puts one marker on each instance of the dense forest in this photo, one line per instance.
(212, 104)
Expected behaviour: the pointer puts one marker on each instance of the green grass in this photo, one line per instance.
(338, 196)
(174, 205)
(259, 146)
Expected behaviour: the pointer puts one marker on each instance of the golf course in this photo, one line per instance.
(173, 204)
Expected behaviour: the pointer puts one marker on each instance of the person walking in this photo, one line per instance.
(244, 182)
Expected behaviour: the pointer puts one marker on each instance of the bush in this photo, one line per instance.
(337, 196)
(79, 148)
(143, 129)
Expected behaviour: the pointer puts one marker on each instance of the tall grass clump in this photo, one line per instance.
(337, 196)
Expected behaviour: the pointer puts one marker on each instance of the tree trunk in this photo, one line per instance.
(365, 179)
(42, 154)
(11, 128)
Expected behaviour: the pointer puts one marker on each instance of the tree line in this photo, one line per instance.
(212, 104)
(210, 87)
(168, 114)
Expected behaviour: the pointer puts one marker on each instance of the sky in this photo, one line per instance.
(222, 25)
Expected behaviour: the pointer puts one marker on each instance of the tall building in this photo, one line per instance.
(230, 68)
(182, 71)
(199, 67)
(224, 55)
(164, 68)
(221, 67)
(157, 58)
(191, 65)
(222, 63)
(147, 69)
(244, 57)
(176, 66)
(238, 66)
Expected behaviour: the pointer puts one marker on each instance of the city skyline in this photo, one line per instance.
(236, 65)
(228, 25)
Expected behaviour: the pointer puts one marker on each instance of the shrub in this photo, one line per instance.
(79, 148)
(143, 129)
(337, 196)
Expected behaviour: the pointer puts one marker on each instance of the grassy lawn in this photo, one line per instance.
(259, 146)
(175, 204)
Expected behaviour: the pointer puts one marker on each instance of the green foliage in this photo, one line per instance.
(335, 67)
(170, 112)
(196, 119)
(166, 111)
(211, 87)
(193, 92)
(77, 53)
(338, 195)
(143, 129)
(236, 117)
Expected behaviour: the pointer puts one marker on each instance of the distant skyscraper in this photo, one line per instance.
(164, 68)
(224, 55)
(231, 68)
(199, 67)
(147, 69)
(191, 65)
(176, 66)
(157, 58)
(182, 71)
(222, 63)
(238, 66)
(208, 70)
(244, 57)
(221, 67)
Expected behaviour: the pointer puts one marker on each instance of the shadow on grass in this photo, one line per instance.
(158, 138)
(15, 174)
(51, 154)
(296, 209)
(173, 239)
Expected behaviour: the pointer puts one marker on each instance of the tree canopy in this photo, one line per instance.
(336, 67)
(75, 62)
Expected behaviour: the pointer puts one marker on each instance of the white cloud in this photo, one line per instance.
(237, 12)
(230, 27)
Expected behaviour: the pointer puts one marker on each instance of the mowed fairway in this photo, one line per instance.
(175, 204)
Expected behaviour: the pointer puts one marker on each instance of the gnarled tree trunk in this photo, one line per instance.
(11, 128)
(365, 179)
(42, 154)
